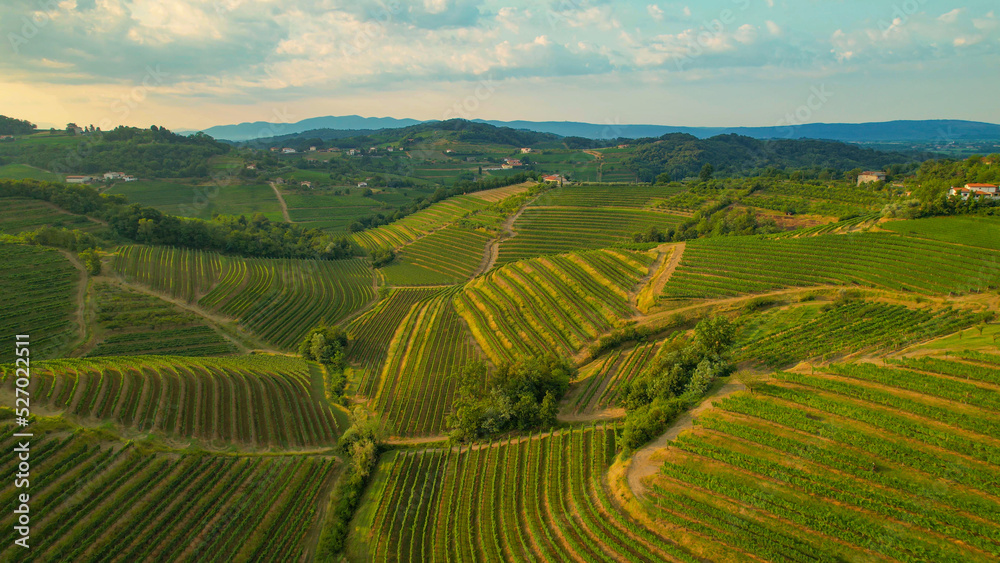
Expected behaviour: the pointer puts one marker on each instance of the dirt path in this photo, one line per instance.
(281, 201)
(668, 272)
(492, 251)
(645, 462)
(80, 315)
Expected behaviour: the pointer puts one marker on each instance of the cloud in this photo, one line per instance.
(952, 16)
(655, 12)
(773, 28)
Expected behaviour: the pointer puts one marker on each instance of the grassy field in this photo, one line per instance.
(978, 231)
(19, 171)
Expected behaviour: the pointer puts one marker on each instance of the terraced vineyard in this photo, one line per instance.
(723, 267)
(419, 376)
(551, 304)
(447, 256)
(115, 501)
(850, 328)
(536, 499)
(554, 230)
(605, 196)
(858, 463)
(134, 323)
(601, 380)
(254, 400)
(412, 227)
(277, 299)
(17, 215)
(37, 297)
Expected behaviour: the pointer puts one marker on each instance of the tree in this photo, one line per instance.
(706, 172)
(91, 261)
(663, 178)
(71, 128)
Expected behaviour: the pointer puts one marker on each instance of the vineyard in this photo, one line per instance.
(19, 215)
(422, 222)
(601, 380)
(540, 498)
(447, 256)
(115, 501)
(785, 337)
(859, 463)
(554, 304)
(134, 323)
(277, 299)
(605, 196)
(555, 230)
(255, 400)
(419, 375)
(37, 298)
(977, 231)
(729, 266)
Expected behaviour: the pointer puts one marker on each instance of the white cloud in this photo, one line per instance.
(687, 11)
(655, 12)
(773, 28)
(746, 34)
(952, 16)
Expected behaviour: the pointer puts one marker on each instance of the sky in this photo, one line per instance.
(192, 64)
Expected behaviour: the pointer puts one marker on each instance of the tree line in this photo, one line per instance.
(255, 236)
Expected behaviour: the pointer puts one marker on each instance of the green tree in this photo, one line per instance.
(91, 261)
(706, 172)
(663, 178)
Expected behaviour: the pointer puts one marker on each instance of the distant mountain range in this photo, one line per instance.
(943, 131)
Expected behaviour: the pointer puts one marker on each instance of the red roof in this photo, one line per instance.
(980, 186)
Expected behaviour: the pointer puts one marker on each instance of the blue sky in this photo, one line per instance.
(193, 63)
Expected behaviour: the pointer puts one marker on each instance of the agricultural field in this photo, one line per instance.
(276, 299)
(256, 401)
(419, 375)
(18, 215)
(976, 231)
(38, 297)
(132, 323)
(844, 462)
(539, 498)
(722, 267)
(19, 171)
(202, 201)
(422, 222)
(554, 304)
(447, 256)
(600, 381)
(110, 500)
(637, 197)
(825, 331)
(542, 231)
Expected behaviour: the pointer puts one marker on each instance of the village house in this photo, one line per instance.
(275, 149)
(251, 166)
(288, 151)
(976, 191)
(526, 151)
(307, 184)
(513, 162)
(870, 176)
(352, 152)
(553, 178)
(623, 146)
(362, 184)
(312, 149)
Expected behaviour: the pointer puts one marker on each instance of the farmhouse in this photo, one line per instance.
(553, 178)
(975, 191)
(287, 151)
(307, 184)
(527, 151)
(78, 179)
(513, 162)
(251, 166)
(362, 184)
(869, 176)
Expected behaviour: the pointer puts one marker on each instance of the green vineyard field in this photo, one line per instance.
(859, 463)
(115, 501)
(135, 323)
(277, 299)
(540, 498)
(729, 266)
(554, 304)
(554, 230)
(447, 256)
(37, 298)
(255, 400)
